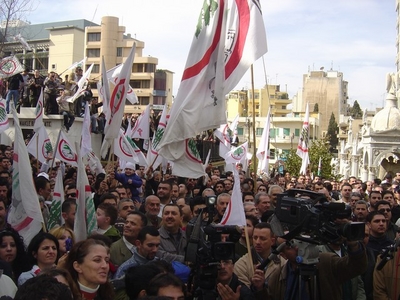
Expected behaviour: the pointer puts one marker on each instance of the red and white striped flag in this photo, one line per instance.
(229, 37)
(302, 148)
(117, 103)
(25, 214)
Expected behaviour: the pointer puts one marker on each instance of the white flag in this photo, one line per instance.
(117, 103)
(25, 214)
(58, 199)
(86, 144)
(238, 154)
(4, 124)
(112, 76)
(23, 42)
(224, 134)
(153, 158)
(82, 84)
(10, 66)
(234, 213)
(302, 148)
(85, 218)
(39, 113)
(141, 130)
(190, 164)
(230, 36)
(40, 145)
(103, 87)
(65, 151)
(263, 148)
(78, 64)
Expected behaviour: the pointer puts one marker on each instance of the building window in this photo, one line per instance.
(239, 130)
(271, 153)
(96, 68)
(286, 131)
(144, 100)
(119, 51)
(259, 131)
(297, 132)
(94, 37)
(272, 133)
(93, 53)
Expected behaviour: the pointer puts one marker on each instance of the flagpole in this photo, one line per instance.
(250, 256)
(37, 153)
(254, 120)
(55, 151)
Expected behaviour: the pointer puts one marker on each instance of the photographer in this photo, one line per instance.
(333, 271)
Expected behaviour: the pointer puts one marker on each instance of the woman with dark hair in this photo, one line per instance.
(64, 277)
(88, 265)
(12, 250)
(42, 254)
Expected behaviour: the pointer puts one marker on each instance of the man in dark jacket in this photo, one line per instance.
(229, 285)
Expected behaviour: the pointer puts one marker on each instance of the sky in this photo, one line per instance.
(355, 37)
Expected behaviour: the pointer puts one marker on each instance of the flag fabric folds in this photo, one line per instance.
(263, 148)
(190, 164)
(10, 66)
(25, 214)
(82, 84)
(302, 148)
(85, 218)
(153, 158)
(65, 151)
(58, 199)
(40, 145)
(230, 36)
(113, 74)
(39, 113)
(234, 213)
(238, 154)
(23, 42)
(141, 130)
(4, 124)
(117, 103)
(86, 144)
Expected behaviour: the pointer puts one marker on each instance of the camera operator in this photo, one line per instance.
(332, 272)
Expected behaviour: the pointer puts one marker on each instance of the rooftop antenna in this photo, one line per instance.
(95, 11)
(332, 65)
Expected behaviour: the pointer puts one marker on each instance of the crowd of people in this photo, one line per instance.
(144, 224)
(25, 88)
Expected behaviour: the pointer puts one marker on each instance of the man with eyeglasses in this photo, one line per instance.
(250, 209)
(385, 207)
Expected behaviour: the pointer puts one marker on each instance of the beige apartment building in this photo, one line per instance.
(56, 46)
(328, 90)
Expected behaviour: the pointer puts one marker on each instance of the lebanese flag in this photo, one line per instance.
(39, 113)
(230, 36)
(40, 145)
(141, 129)
(302, 148)
(82, 84)
(58, 199)
(234, 213)
(4, 124)
(263, 149)
(117, 103)
(85, 218)
(65, 151)
(25, 215)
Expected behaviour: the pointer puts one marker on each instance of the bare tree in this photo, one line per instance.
(12, 11)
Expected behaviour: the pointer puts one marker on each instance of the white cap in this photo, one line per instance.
(44, 174)
(130, 165)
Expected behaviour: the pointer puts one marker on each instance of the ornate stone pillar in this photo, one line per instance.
(354, 165)
(371, 173)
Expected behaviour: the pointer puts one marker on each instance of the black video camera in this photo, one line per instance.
(309, 213)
